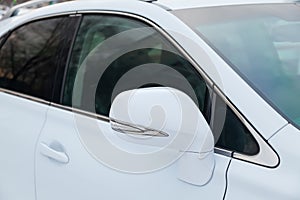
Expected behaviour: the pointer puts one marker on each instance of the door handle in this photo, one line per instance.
(54, 154)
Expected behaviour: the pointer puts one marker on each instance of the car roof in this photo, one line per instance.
(181, 4)
(130, 6)
(166, 4)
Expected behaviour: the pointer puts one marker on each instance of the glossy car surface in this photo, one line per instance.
(167, 99)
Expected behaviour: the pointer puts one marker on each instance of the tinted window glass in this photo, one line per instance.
(176, 72)
(113, 54)
(29, 57)
(230, 133)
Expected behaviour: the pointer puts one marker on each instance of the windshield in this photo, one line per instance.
(261, 43)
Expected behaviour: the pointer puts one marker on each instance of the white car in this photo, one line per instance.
(167, 99)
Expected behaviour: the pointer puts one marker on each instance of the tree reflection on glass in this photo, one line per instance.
(29, 56)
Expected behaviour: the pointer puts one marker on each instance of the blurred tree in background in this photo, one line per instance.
(11, 2)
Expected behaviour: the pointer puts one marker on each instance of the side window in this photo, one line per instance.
(29, 57)
(229, 132)
(113, 54)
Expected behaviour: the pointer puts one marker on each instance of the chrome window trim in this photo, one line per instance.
(81, 112)
(223, 152)
(24, 96)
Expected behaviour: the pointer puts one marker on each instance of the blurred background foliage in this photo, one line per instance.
(15, 2)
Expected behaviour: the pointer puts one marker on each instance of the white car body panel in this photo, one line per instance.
(21, 124)
(182, 4)
(247, 181)
(85, 177)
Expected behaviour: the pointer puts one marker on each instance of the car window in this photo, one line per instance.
(229, 132)
(259, 42)
(114, 54)
(29, 57)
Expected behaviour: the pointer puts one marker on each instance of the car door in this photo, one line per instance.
(114, 53)
(29, 58)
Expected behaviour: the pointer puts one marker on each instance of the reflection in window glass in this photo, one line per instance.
(29, 56)
(166, 69)
(94, 30)
(261, 43)
(114, 54)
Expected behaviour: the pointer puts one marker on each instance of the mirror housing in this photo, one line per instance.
(165, 117)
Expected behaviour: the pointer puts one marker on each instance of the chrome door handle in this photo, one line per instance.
(53, 154)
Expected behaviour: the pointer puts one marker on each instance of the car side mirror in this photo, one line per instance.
(163, 117)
